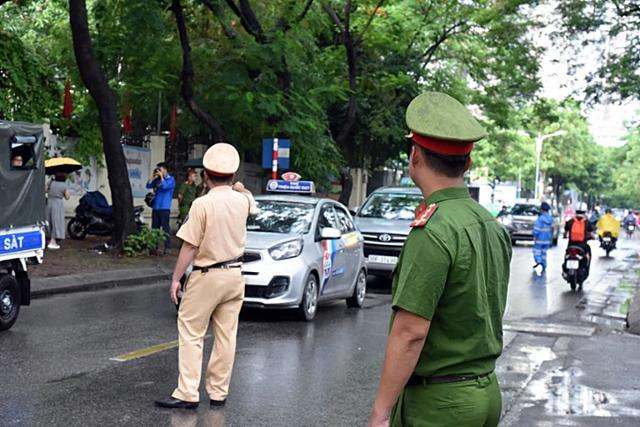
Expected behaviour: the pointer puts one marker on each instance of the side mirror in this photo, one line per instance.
(354, 211)
(330, 233)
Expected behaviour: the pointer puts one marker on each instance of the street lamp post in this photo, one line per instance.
(539, 140)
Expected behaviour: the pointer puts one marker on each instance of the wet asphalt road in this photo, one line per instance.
(56, 369)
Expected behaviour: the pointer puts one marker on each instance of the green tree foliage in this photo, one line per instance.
(595, 23)
(283, 68)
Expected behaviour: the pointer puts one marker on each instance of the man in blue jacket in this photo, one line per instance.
(163, 184)
(542, 236)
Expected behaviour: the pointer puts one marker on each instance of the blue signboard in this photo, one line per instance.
(281, 186)
(21, 242)
(284, 151)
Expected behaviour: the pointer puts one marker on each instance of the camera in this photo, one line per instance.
(156, 170)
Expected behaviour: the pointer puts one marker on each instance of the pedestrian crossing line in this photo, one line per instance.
(143, 352)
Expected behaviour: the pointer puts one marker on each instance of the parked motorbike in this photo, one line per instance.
(95, 216)
(607, 243)
(575, 268)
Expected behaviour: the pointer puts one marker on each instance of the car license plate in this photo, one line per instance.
(573, 264)
(607, 239)
(380, 259)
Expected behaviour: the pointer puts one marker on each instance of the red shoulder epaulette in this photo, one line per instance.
(423, 213)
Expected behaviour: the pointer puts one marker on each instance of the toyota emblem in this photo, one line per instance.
(384, 238)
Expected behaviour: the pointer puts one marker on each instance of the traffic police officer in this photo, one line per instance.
(213, 237)
(449, 287)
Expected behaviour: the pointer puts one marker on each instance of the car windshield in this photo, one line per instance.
(282, 217)
(525, 210)
(391, 206)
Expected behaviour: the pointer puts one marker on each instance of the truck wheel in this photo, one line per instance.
(9, 301)
(359, 291)
(76, 229)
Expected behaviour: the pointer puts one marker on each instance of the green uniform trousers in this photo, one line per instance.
(474, 403)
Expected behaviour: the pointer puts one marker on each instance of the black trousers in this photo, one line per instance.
(160, 219)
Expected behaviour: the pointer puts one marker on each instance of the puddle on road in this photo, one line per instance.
(564, 395)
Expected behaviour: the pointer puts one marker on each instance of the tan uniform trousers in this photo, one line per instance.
(213, 297)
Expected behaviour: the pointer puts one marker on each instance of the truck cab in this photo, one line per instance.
(22, 217)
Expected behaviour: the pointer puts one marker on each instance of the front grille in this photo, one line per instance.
(379, 250)
(251, 291)
(278, 286)
(388, 239)
(251, 257)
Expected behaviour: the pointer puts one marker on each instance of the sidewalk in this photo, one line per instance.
(82, 265)
(586, 375)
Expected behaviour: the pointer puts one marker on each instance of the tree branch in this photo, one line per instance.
(217, 11)
(627, 10)
(304, 11)
(186, 88)
(368, 24)
(349, 44)
(446, 34)
(248, 19)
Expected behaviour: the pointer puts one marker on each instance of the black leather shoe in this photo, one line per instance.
(173, 403)
(217, 403)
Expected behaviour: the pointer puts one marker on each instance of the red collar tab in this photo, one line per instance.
(423, 213)
(442, 146)
(221, 175)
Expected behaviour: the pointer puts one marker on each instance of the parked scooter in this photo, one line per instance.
(95, 216)
(608, 243)
(575, 268)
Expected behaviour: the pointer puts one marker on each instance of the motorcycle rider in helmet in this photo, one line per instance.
(580, 230)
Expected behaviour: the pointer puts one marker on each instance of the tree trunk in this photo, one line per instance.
(96, 82)
(186, 89)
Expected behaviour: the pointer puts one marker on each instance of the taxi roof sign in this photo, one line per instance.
(282, 186)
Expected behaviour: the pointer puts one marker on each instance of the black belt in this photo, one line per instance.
(420, 380)
(234, 263)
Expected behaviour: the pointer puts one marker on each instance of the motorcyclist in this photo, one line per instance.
(608, 223)
(630, 219)
(580, 230)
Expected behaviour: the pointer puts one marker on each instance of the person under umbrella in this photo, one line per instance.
(542, 236)
(57, 191)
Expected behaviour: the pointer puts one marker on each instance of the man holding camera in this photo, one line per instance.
(162, 184)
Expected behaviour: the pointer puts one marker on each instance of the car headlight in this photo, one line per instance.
(506, 221)
(286, 250)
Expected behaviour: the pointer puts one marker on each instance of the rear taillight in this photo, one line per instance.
(573, 252)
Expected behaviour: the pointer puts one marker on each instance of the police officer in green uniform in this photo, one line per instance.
(449, 288)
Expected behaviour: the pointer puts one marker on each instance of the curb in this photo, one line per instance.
(49, 286)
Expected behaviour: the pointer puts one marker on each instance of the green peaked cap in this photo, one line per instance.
(440, 116)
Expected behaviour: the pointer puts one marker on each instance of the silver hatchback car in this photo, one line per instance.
(300, 252)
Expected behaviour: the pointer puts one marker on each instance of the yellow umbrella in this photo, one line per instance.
(61, 164)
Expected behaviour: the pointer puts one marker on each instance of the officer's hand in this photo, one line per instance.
(238, 186)
(173, 291)
(378, 420)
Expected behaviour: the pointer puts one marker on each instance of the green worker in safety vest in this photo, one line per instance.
(449, 288)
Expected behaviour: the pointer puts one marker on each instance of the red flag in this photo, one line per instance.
(172, 125)
(68, 102)
(126, 121)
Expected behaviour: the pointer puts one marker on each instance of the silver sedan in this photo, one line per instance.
(300, 252)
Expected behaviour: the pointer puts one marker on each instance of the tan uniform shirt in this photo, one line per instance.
(216, 225)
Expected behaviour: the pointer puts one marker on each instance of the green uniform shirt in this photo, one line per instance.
(454, 271)
(189, 193)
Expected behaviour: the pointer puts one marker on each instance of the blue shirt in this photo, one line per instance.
(164, 192)
(543, 229)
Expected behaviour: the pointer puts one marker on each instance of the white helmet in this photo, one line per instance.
(582, 207)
